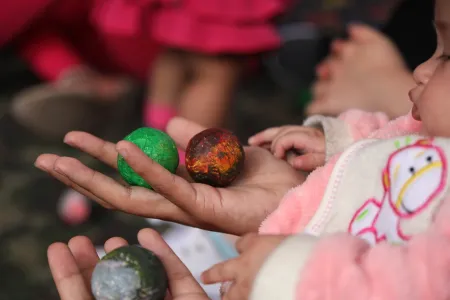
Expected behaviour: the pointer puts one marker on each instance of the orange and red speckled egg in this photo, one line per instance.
(215, 157)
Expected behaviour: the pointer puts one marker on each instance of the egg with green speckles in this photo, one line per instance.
(155, 144)
(129, 273)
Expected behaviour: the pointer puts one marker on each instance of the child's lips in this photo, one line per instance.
(414, 94)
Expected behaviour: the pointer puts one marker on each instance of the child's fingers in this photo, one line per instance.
(341, 49)
(283, 144)
(222, 272)
(309, 161)
(94, 146)
(235, 292)
(266, 146)
(264, 136)
(337, 46)
(114, 243)
(295, 139)
(246, 241)
(67, 276)
(181, 281)
(323, 70)
(85, 256)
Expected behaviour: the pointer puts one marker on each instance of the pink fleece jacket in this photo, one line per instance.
(341, 266)
(300, 204)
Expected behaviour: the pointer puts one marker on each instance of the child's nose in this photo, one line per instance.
(424, 72)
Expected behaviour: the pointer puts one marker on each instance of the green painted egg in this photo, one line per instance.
(129, 273)
(155, 144)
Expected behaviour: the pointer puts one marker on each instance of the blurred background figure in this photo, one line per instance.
(79, 69)
(101, 66)
(387, 49)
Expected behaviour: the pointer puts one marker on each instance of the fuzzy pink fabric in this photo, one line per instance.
(300, 204)
(376, 125)
(401, 126)
(417, 270)
(342, 266)
(363, 123)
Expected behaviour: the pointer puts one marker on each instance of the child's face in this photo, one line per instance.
(431, 96)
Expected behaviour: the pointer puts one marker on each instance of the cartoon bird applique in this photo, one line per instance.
(414, 175)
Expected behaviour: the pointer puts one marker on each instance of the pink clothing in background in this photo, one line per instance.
(124, 36)
(210, 27)
(63, 30)
(17, 15)
(219, 27)
(60, 37)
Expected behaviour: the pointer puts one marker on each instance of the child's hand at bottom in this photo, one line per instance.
(307, 144)
(241, 271)
(72, 265)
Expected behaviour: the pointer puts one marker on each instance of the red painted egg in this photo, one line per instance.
(215, 157)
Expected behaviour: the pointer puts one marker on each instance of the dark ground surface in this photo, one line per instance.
(28, 197)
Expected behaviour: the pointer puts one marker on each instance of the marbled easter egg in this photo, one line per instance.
(215, 157)
(155, 144)
(129, 273)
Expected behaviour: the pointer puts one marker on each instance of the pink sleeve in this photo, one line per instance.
(348, 128)
(299, 205)
(346, 267)
(354, 125)
(362, 124)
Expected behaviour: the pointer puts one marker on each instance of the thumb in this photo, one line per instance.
(182, 284)
(309, 161)
(182, 130)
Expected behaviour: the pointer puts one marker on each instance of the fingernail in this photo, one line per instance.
(39, 166)
(251, 140)
(41, 163)
(121, 149)
(123, 152)
(67, 141)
